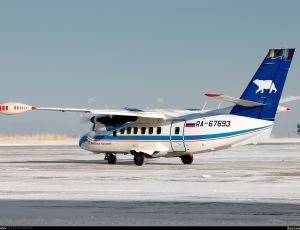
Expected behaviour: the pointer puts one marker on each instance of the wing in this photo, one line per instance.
(12, 108)
(109, 112)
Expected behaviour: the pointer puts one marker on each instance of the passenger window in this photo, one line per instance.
(122, 131)
(143, 130)
(177, 130)
(128, 130)
(151, 130)
(114, 133)
(135, 130)
(158, 131)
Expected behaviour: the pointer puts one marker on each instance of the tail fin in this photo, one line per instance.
(266, 86)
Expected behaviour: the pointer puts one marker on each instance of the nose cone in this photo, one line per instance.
(83, 139)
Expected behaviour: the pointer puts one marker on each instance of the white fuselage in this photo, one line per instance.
(187, 133)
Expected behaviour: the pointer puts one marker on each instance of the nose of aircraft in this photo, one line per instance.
(83, 139)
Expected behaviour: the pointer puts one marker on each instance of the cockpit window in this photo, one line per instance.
(128, 130)
(135, 130)
(114, 133)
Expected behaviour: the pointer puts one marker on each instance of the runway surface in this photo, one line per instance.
(64, 185)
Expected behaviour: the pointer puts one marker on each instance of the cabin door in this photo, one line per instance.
(177, 135)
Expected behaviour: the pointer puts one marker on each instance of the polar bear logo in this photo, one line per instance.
(265, 84)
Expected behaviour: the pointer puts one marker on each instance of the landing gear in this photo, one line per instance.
(139, 159)
(187, 159)
(111, 158)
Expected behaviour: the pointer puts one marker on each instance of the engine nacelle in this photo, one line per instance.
(12, 108)
(112, 122)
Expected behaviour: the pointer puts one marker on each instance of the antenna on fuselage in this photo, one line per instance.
(220, 104)
(203, 107)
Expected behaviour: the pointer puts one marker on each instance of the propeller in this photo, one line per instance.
(86, 118)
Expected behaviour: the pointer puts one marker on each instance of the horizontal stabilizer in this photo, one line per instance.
(281, 108)
(234, 100)
(289, 99)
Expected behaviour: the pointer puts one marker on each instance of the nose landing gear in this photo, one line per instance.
(111, 158)
(187, 159)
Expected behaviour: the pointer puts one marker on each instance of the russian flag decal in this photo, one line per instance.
(190, 125)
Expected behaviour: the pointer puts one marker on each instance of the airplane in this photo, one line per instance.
(183, 133)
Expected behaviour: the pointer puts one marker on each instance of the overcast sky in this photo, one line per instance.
(143, 54)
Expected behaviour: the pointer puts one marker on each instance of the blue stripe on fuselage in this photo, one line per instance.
(174, 138)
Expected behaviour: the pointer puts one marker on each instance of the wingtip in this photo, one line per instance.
(212, 95)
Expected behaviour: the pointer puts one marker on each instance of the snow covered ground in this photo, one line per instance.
(64, 185)
(251, 173)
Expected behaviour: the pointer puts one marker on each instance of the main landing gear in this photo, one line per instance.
(139, 159)
(111, 158)
(187, 159)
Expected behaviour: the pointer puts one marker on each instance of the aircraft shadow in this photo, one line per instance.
(60, 162)
(70, 161)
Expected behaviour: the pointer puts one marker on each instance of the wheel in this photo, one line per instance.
(111, 158)
(187, 159)
(139, 159)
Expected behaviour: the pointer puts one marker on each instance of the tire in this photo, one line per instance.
(187, 159)
(111, 159)
(139, 159)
